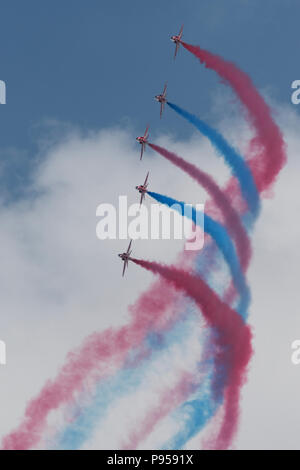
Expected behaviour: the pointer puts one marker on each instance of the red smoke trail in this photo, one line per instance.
(101, 354)
(265, 166)
(233, 341)
(231, 217)
(268, 144)
(150, 311)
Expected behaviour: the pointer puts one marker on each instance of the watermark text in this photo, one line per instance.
(178, 222)
(295, 97)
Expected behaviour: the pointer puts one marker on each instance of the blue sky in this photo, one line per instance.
(99, 63)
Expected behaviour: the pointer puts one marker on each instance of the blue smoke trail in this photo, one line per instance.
(202, 406)
(74, 435)
(236, 162)
(223, 241)
(125, 381)
(195, 418)
(196, 412)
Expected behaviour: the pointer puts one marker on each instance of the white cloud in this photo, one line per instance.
(58, 282)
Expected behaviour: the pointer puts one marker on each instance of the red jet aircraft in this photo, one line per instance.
(177, 41)
(142, 189)
(125, 257)
(143, 141)
(162, 99)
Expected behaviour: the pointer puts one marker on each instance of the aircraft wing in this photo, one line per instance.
(146, 179)
(165, 89)
(180, 32)
(176, 49)
(129, 246)
(124, 267)
(146, 132)
(162, 104)
(142, 198)
(142, 151)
